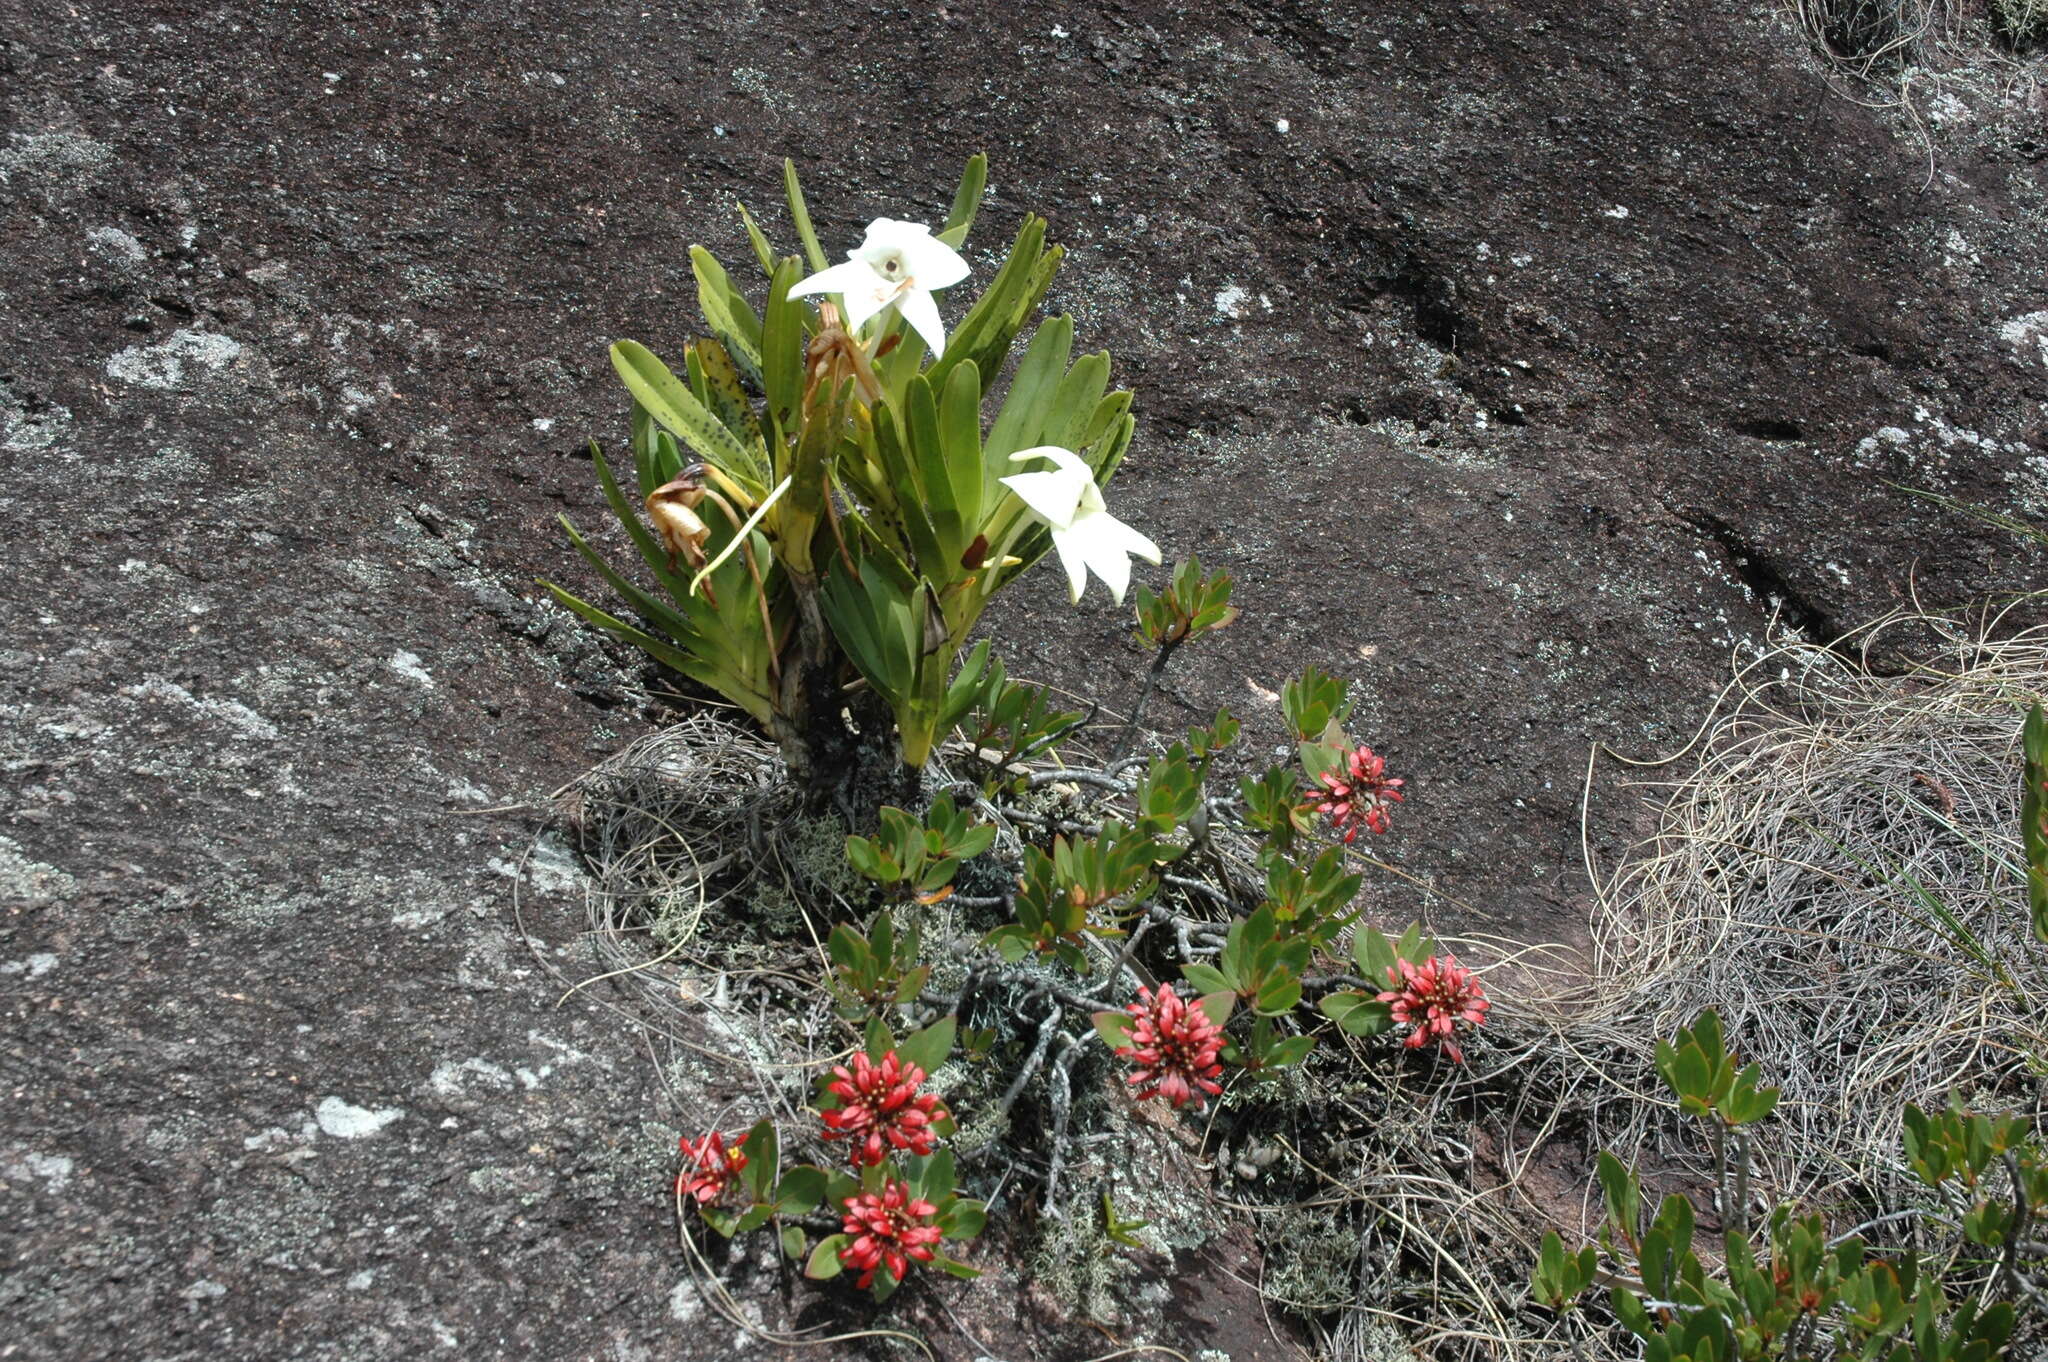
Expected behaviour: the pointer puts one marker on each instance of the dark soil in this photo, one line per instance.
(1544, 347)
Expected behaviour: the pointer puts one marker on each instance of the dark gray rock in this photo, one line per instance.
(1509, 354)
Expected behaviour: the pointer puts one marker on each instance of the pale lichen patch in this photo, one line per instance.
(346, 1121)
(166, 365)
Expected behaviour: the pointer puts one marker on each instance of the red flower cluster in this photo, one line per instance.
(1435, 998)
(709, 1166)
(1175, 1046)
(880, 1108)
(888, 1227)
(1357, 794)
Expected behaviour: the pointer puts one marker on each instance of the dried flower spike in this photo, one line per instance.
(672, 510)
(1356, 794)
(881, 1109)
(888, 1227)
(1434, 998)
(710, 1164)
(1175, 1047)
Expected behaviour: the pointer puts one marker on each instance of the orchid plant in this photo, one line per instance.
(834, 485)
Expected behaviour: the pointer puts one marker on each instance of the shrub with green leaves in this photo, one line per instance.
(1794, 1291)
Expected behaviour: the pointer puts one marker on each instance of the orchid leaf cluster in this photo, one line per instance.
(1794, 1291)
(832, 486)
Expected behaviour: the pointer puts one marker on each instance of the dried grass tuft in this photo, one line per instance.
(1838, 872)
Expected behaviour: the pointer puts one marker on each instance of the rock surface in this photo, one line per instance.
(1511, 355)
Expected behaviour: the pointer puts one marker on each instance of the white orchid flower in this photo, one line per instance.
(898, 265)
(1084, 533)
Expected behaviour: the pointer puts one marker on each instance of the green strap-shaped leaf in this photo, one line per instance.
(672, 622)
(783, 339)
(731, 661)
(726, 311)
(722, 394)
(671, 403)
(935, 482)
(966, 201)
(764, 254)
(1109, 412)
(663, 652)
(1109, 453)
(651, 551)
(734, 644)
(800, 214)
(960, 445)
(643, 450)
(895, 446)
(1028, 403)
(988, 325)
(719, 679)
(874, 619)
(1073, 408)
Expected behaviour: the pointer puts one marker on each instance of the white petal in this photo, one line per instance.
(1103, 542)
(1073, 558)
(890, 234)
(1131, 541)
(866, 303)
(1052, 497)
(1066, 459)
(922, 313)
(852, 277)
(933, 263)
(1113, 566)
